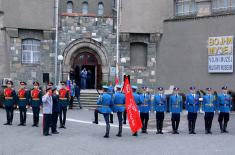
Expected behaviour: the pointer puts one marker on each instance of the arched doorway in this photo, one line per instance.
(86, 52)
(89, 61)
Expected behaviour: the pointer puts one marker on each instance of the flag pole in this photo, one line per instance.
(117, 48)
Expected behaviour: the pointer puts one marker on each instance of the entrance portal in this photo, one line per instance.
(88, 61)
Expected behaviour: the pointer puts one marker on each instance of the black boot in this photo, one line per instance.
(221, 127)
(225, 127)
(161, 126)
(189, 127)
(107, 131)
(111, 118)
(193, 127)
(119, 131)
(96, 117)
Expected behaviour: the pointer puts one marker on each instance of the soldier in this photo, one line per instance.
(224, 106)
(23, 101)
(208, 106)
(176, 103)
(47, 111)
(63, 102)
(159, 104)
(36, 102)
(111, 91)
(105, 100)
(144, 108)
(9, 102)
(192, 106)
(119, 107)
(137, 100)
(55, 110)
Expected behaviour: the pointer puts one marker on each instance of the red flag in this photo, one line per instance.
(131, 108)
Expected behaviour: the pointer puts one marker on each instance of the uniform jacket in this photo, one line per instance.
(23, 97)
(105, 100)
(63, 97)
(224, 103)
(145, 103)
(56, 106)
(209, 103)
(9, 97)
(192, 103)
(176, 103)
(119, 102)
(159, 103)
(35, 98)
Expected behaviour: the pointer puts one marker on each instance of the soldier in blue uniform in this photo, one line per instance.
(105, 102)
(224, 107)
(111, 91)
(192, 106)
(23, 101)
(119, 107)
(9, 102)
(159, 106)
(137, 101)
(36, 102)
(208, 106)
(176, 102)
(144, 108)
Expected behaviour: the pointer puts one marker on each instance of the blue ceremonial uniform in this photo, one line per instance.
(159, 103)
(145, 103)
(144, 108)
(176, 102)
(209, 107)
(192, 105)
(224, 103)
(224, 106)
(209, 103)
(118, 102)
(105, 100)
(137, 99)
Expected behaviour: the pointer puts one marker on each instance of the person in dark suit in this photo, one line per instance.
(55, 110)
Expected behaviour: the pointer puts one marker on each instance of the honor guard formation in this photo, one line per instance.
(54, 103)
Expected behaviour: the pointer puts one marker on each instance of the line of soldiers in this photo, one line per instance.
(210, 103)
(34, 98)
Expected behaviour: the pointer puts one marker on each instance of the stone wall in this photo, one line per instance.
(30, 72)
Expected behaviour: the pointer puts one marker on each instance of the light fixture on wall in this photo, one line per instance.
(60, 59)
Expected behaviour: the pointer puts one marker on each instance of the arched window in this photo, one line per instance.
(85, 8)
(69, 7)
(31, 51)
(100, 9)
(138, 55)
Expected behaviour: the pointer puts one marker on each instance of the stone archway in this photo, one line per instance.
(78, 46)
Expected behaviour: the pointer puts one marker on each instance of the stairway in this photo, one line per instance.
(88, 98)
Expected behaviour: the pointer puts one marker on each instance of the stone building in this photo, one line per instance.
(162, 42)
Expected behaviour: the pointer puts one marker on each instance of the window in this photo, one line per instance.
(69, 7)
(185, 7)
(223, 5)
(84, 8)
(100, 9)
(138, 54)
(31, 51)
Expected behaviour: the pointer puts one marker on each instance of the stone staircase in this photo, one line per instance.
(88, 98)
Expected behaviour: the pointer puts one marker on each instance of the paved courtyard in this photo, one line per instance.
(83, 138)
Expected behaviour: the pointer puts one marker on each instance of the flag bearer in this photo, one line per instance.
(119, 107)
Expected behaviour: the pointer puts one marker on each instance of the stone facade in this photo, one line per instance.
(30, 72)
